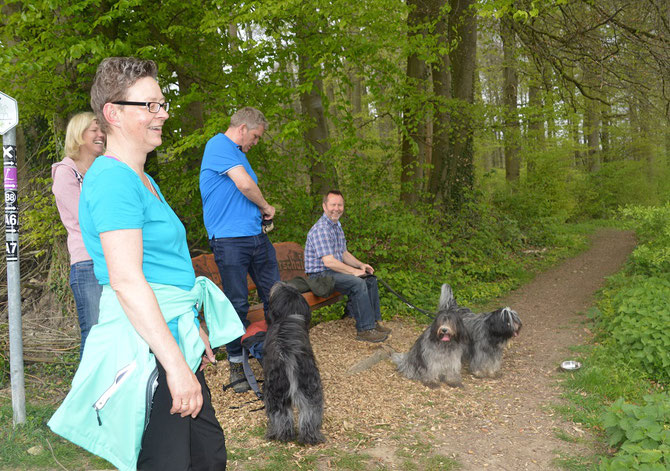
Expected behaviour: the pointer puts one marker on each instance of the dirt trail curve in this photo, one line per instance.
(551, 308)
(497, 424)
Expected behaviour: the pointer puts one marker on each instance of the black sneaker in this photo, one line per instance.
(238, 382)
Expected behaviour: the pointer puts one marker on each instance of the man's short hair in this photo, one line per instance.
(252, 117)
(115, 75)
(332, 192)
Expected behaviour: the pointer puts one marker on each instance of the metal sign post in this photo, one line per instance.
(9, 118)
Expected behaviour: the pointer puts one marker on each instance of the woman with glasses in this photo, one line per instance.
(84, 141)
(139, 398)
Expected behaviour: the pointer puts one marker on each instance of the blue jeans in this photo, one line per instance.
(235, 257)
(87, 291)
(363, 294)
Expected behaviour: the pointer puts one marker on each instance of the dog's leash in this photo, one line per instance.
(404, 300)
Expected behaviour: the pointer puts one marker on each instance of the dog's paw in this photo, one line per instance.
(280, 436)
(482, 374)
(312, 439)
(431, 384)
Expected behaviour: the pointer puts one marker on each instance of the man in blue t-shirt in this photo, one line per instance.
(233, 209)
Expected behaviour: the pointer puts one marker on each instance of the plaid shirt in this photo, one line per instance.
(324, 238)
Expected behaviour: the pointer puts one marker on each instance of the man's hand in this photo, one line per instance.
(367, 269)
(268, 212)
(358, 272)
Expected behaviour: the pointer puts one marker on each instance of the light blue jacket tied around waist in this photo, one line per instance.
(107, 408)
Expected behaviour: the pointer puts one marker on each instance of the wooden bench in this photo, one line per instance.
(291, 259)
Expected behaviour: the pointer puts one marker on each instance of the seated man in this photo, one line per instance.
(326, 254)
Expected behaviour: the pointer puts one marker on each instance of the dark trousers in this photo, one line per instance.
(235, 257)
(363, 294)
(171, 442)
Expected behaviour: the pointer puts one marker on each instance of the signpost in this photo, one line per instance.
(9, 118)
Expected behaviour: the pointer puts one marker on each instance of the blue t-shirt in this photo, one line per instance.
(112, 198)
(226, 211)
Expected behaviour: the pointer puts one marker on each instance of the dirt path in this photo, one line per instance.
(500, 424)
(551, 308)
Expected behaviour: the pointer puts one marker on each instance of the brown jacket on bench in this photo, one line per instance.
(291, 259)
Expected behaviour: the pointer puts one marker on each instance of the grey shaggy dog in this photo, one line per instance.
(289, 367)
(487, 336)
(436, 354)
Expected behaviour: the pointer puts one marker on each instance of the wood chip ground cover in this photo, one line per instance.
(392, 423)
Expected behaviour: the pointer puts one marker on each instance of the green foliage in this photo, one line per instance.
(652, 226)
(616, 184)
(635, 309)
(641, 432)
(630, 358)
(639, 323)
(541, 202)
(41, 223)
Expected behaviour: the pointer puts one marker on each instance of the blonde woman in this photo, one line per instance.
(84, 141)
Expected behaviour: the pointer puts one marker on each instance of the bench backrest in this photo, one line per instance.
(290, 257)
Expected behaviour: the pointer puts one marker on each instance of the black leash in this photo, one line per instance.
(404, 300)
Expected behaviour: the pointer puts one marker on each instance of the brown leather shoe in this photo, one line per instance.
(381, 328)
(371, 335)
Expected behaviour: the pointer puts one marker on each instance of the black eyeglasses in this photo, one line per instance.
(152, 106)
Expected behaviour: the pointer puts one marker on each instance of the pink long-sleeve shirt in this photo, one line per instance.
(67, 188)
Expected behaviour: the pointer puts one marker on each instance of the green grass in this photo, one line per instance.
(576, 463)
(47, 450)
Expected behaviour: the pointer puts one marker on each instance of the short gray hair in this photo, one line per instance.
(249, 116)
(115, 75)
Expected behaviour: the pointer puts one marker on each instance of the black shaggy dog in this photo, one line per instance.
(488, 334)
(436, 354)
(289, 367)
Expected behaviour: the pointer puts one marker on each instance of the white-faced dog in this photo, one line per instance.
(290, 371)
(436, 354)
(487, 336)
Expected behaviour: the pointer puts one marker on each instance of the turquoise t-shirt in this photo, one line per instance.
(113, 197)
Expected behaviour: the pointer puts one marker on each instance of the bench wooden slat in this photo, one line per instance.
(291, 260)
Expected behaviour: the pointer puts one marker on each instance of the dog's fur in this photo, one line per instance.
(488, 334)
(290, 371)
(436, 354)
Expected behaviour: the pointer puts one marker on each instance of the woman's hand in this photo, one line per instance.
(208, 356)
(185, 391)
(123, 254)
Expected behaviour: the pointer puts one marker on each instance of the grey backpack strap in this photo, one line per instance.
(249, 374)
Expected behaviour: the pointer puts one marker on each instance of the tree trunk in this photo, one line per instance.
(512, 131)
(605, 134)
(592, 131)
(356, 93)
(442, 119)
(322, 175)
(592, 119)
(460, 174)
(535, 122)
(413, 147)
